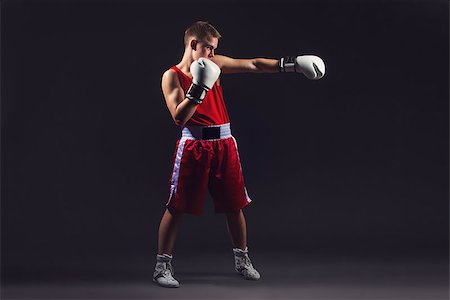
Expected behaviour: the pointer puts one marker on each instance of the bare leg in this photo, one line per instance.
(237, 229)
(168, 230)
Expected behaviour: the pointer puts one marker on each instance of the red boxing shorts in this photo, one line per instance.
(206, 157)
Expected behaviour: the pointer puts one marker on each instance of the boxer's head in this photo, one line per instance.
(202, 39)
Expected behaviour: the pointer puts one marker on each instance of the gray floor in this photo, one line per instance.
(213, 277)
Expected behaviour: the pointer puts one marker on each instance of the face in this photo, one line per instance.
(204, 48)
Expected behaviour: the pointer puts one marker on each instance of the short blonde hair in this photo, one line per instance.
(201, 30)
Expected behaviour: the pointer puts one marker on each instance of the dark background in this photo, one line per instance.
(353, 165)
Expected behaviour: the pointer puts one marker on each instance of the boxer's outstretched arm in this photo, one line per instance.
(230, 65)
(311, 66)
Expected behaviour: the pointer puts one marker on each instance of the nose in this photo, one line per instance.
(211, 54)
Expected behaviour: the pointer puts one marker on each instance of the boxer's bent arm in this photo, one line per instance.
(179, 106)
(230, 65)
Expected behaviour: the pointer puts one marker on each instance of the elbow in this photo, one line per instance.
(256, 66)
(179, 121)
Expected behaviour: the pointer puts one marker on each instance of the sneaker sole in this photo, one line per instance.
(165, 286)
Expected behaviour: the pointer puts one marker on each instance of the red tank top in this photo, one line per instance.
(212, 111)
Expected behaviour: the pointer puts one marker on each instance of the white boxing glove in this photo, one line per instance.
(311, 66)
(204, 74)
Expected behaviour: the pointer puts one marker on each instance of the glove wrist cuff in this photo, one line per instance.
(196, 93)
(287, 64)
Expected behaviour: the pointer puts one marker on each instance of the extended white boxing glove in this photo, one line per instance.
(311, 66)
(204, 74)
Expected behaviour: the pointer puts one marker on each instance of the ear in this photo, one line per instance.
(194, 45)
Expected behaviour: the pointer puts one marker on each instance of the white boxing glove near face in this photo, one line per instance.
(204, 74)
(311, 66)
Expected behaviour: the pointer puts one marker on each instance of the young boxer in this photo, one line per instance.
(206, 156)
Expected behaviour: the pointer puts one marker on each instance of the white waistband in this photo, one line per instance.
(198, 132)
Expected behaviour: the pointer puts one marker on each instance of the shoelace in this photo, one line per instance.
(166, 273)
(245, 261)
(170, 268)
(167, 269)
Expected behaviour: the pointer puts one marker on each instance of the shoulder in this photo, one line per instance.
(221, 60)
(169, 77)
(169, 74)
(230, 65)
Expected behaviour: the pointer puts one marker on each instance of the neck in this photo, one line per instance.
(185, 62)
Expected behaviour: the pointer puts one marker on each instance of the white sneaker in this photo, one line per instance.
(163, 274)
(244, 265)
